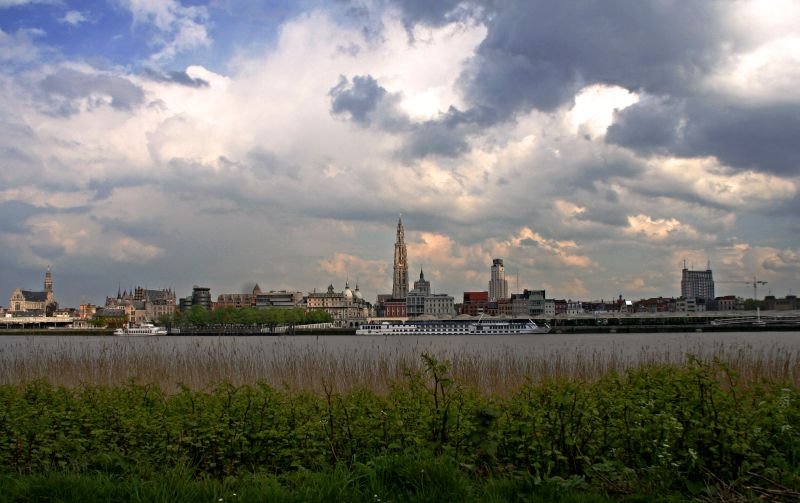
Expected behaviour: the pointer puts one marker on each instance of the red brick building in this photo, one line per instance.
(395, 308)
(477, 303)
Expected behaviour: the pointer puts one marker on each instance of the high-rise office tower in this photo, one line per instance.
(498, 286)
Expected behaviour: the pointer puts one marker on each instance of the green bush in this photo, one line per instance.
(689, 430)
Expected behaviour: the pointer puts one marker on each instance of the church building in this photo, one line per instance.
(34, 303)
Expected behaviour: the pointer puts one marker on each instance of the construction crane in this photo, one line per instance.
(755, 284)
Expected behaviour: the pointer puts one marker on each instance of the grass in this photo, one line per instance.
(387, 480)
(306, 367)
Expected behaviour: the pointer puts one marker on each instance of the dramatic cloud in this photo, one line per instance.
(365, 102)
(744, 136)
(593, 146)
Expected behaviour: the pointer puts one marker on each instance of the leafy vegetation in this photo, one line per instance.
(199, 316)
(692, 430)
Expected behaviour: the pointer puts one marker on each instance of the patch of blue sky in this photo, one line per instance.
(104, 33)
(101, 33)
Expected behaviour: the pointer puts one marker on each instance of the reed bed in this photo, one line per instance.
(313, 368)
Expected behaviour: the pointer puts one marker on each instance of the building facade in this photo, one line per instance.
(528, 303)
(439, 305)
(420, 301)
(574, 307)
(697, 284)
(498, 286)
(157, 303)
(141, 305)
(729, 303)
(201, 296)
(347, 308)
(282, 299)
(477, 304)
(788, 303)
(395, 308)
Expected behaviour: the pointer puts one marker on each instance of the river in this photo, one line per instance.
(630, 347)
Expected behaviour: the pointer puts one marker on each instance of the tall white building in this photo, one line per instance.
(498, 286)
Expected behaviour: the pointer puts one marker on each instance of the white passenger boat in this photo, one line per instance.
(481, 327)
(146, 328)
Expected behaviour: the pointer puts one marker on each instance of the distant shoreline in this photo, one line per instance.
(572, 329)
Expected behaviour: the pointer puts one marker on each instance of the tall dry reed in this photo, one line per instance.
(203, 365)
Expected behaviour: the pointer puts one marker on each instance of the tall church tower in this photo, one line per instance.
(400, 282)
(48, 280)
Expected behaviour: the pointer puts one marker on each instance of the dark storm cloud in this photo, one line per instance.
(587, 174)
(65, 86)
(742, 136)
(175, 77)
(444, 136)
(650, 126)
(368, 104)
(537, 54)
(763, 138)
(438, 12)
(614, 216)
(358, 100)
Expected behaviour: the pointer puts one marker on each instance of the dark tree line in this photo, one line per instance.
(198, 316)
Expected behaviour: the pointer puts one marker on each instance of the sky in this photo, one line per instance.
(592, 145)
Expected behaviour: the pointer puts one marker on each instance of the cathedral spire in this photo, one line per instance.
(400, 281)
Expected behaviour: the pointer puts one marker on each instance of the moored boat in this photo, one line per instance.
(480, 327)
(146, 328)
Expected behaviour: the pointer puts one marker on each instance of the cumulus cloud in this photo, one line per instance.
(73, 17)
(646, 227)
(127, 249)
(20, 46)
(178, 28)
(70, 91)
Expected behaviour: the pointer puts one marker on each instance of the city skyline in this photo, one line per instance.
(593, 146)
